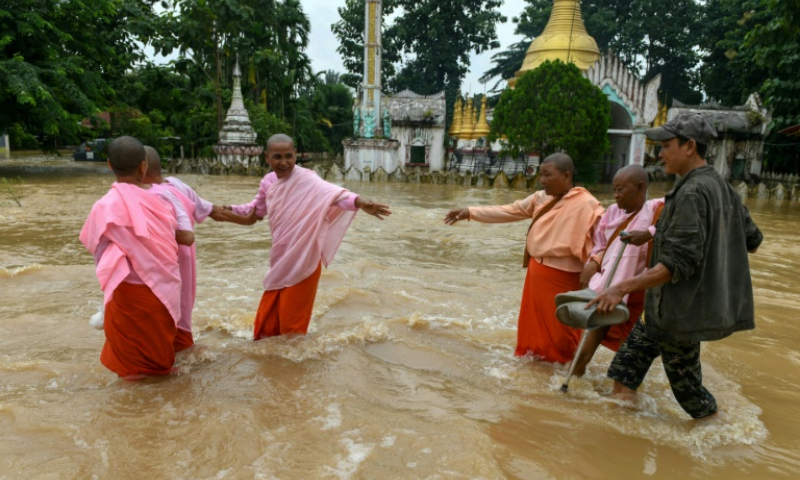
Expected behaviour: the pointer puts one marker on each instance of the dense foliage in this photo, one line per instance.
(555, 109)
(65, 61)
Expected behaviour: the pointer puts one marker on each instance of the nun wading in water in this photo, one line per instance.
(308, 218)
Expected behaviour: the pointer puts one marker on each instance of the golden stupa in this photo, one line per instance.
(482, 126)
(661, 119)
(469, 122)
(455, 126)
(564, 38)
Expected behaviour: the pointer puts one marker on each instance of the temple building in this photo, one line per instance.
(633, 104)
(738, 151)
(392, 132)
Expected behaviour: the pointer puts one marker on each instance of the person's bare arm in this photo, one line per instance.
(184, 237)
(225, 215)
(610, 298)
(588, 272)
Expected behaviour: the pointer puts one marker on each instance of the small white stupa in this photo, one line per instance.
(237, 140)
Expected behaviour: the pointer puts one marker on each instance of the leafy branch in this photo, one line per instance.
(10, 188)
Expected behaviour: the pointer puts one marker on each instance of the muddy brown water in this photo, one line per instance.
(408, 370)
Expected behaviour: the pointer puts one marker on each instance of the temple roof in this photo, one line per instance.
(750, 118)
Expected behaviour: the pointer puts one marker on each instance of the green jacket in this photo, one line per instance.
(702, 237)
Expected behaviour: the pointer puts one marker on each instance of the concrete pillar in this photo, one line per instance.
(637, 147)
(721, 162)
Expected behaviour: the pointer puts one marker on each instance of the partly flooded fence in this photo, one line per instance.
(333, 172)
(780, 187)
(772, 185)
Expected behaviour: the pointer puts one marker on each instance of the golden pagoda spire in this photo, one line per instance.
(469, 125)
(455, 127)
(564, 38)
(482, 126)
(661, 119)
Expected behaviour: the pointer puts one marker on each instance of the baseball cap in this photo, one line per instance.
(692, 126)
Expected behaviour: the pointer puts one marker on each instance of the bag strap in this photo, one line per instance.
(622, 227)
(656, 216)
(552, 203)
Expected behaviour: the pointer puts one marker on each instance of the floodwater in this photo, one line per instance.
(407, 372)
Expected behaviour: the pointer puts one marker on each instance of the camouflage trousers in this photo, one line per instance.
(681, 363)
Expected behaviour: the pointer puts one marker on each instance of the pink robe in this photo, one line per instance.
(187, 255)
(308, 218)
(140, 231)
(634, 258)
(202, 208)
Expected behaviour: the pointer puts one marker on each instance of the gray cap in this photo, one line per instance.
(692, 126)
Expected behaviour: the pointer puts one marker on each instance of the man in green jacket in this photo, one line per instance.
(698, 285)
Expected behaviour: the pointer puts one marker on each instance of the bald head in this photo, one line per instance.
(630, 188)
(634, 174)
(562, 162)
(125, 155)
(153, 165)
(279, 138)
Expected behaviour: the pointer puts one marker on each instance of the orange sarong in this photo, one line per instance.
(183, 340)
(287, 310)
(617, 334)
(539, 333)
(139, 333)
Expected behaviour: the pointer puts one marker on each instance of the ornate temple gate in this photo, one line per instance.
(634, 105)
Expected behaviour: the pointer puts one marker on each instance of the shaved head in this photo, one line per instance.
(630, 188)
(634, 174)
(153, 162)
(562, 162)
(125, 155)
(279, 138)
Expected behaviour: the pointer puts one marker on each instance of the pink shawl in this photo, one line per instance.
(187, 262)
(634, 259)
(306, 226)
(141, 229)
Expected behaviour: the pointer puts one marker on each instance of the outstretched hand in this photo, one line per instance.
(636, 237)
(375, 209)
(455, 215)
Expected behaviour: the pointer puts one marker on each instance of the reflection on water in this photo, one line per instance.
(408, 370)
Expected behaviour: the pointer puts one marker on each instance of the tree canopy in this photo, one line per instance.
(554, 108)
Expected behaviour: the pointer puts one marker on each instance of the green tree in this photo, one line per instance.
(754, 46)
(59, 62)
(555, 109)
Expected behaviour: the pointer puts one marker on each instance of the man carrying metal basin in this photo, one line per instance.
(698, 285)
